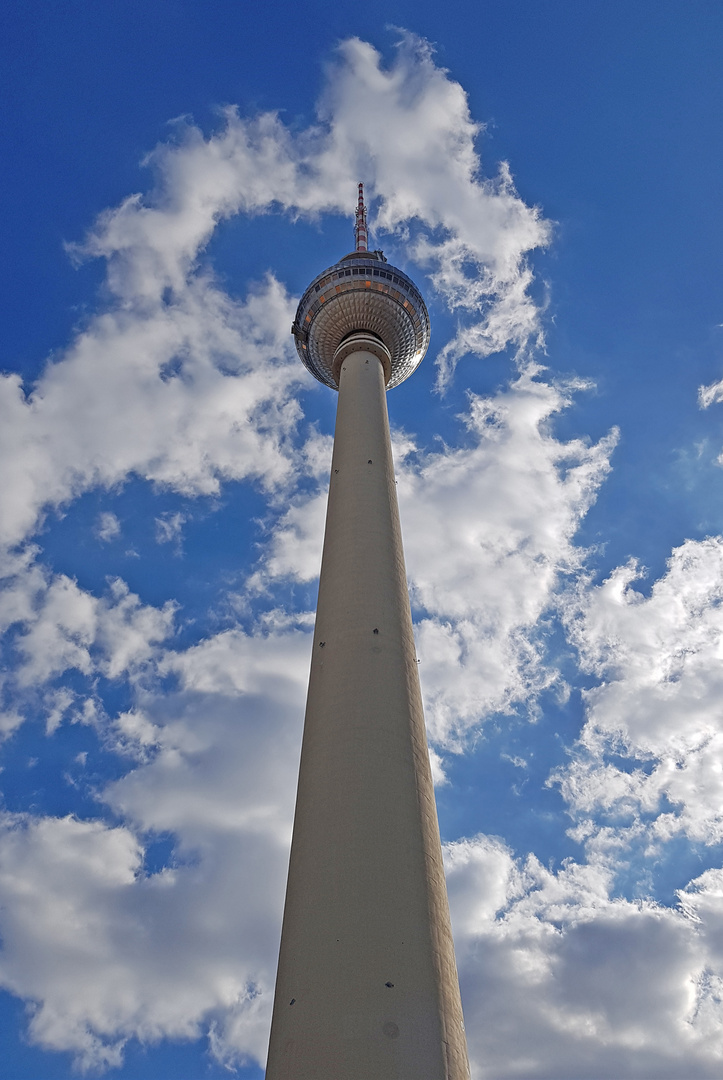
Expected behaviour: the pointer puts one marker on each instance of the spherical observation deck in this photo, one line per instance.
(361, 293)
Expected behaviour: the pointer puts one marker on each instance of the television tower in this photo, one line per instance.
(367, 984)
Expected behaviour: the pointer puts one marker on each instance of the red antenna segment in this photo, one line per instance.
(361, 222)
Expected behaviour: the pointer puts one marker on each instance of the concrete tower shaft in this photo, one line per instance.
(367, 984)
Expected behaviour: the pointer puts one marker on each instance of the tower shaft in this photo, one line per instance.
(367, 984)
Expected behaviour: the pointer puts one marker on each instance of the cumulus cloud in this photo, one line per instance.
(107, 526)
(92, 936)
(181, 393)
(710, 395)
(9, 721)
(94, 940)
(294, 547)
(169, 528)
(652, 742)
(59, 626)
(489, 539)
(560, 980)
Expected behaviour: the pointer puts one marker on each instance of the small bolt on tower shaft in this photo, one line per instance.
(367, 984)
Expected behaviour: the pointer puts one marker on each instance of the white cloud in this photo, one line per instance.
(95, 941)
(60, 626)
(59, 634)
(107, 526)
(294, 547)
(560, 980)
(129, 631)
(9, 721)
(169, 528)
(659, 659)
(183, 394)
(488, 532)
(109, 951)
(710, 395)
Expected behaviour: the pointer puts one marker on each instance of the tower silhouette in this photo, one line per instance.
(367, 984)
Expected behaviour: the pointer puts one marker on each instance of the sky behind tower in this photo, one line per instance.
(174, 175)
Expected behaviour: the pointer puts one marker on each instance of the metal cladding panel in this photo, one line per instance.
(361, 294)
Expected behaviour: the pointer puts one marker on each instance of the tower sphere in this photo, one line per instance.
(362, 293)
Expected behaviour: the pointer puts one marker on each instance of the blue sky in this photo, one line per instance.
(173, 175)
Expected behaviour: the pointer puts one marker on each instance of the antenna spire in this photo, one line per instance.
(360, 228)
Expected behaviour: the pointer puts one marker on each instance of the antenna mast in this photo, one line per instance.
(360, 228)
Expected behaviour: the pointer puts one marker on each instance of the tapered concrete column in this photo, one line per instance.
(367, 984)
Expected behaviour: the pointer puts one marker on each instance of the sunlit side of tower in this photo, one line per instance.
(367, 984)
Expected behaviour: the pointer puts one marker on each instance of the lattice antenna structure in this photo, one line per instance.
(360, 229)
